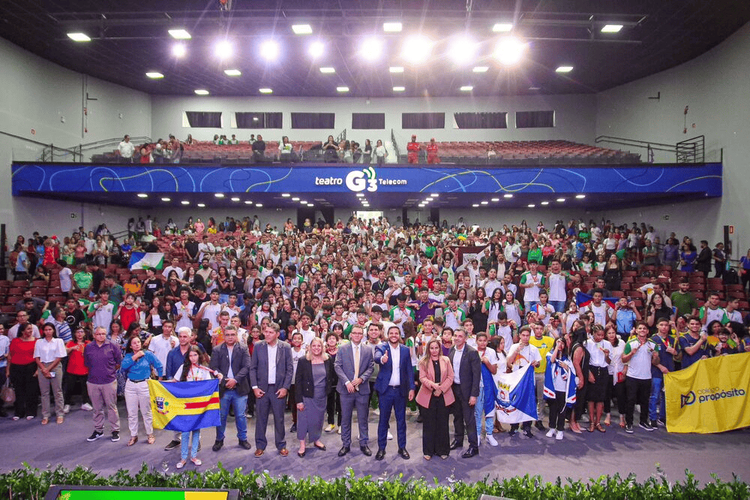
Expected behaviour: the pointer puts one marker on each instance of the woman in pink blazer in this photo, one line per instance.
(435, 396)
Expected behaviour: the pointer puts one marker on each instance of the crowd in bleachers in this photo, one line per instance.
(560, 293)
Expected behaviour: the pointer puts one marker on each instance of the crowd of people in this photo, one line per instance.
(319, 320)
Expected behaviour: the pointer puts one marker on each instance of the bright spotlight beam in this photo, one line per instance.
(417, 49)
(269, 50)
(509, 50)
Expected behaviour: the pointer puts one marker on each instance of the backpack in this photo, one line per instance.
(731, 277)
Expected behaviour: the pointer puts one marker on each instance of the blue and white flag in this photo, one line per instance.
(516, 396)
(145, 260)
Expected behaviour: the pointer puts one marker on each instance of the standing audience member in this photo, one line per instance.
(137, 366)
(20, 369)
(77, 373)
(640, 353)
(467, 373)
(315, 379)
(48, 354)
(435, 397)
(102, 358)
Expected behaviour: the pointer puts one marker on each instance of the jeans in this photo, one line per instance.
(186, 449)
(559, 305)
(489, 420)
(230, 397)
(657, 399)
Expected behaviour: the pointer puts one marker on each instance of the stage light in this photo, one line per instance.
(166, 199)
(435, 195)
(396, 69)
(393, 27)
(611, 28)
(463, 50)
(179, 34)
(232, 72)
(316, 49)
(295, 198)
(399, 89)
(502, 27)
(580, 196)
(219, 195)
(467, 88)
(371, 48)
(185, 202)
(342, 89)
(142, 195)
(201, 92)
(416, 49)
(201, 205)
(179, 50)
(154, 75)
(327, 70)
(481, 69)
(302, 29)
(269, 50)
(564, 69)
(508, 195)
(79, 37)
(265, 90)
(509, 50)
(224, 49)
(560, 200)
(259, 205)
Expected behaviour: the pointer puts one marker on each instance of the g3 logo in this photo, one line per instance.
(359, 180)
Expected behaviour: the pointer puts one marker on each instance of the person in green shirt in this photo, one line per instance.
(683, 300)
(83, 279)
(535, 253)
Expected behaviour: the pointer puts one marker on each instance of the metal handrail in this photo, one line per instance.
(684, 151)
(51, 146)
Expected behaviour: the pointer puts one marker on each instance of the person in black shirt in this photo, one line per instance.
(191, 247)
(73, 314)
(152, 286)
(259, 149)
(97, 278)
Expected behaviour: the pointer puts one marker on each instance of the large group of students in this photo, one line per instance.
(310, 323)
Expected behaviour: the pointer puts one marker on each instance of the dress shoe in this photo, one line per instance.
(456, 445)
(175, 443)
(366, 450)
(380, 455)
(293, 428)
(321, 447)
(343, 451)
(217, 445)
(528, 434)
(301, 453)
(245, 444)
(259, 452)
(284, 452)
(404, 454)
(512, 432)
(471, 452)
(539, 425)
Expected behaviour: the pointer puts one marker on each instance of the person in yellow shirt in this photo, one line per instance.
(543, 343)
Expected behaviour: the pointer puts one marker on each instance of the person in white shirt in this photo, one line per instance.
(66, 279)
(556, 281)
(174, 267)
(521, 355)
(639, 354)
(598, 376)
(126, 150)
(22, 317)
(162, 344)
(183, 310)
(48, 354)
(603, 313)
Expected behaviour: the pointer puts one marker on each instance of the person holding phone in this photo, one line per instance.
(48, 354)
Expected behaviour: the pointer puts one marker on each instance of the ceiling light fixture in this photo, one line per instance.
(295, 199)
(235, 198)
(475, 205)
(166, 199)
(285, 195)
(392, 27)
(611, 28)
(219, 195)
(232, 72)
(371, 48)
(179, 34)
(155, 75)
(302, 29)
(248, 202)
(481, 69)
(327, 69)
(467, 88)
(360, 195)
(201, 205)
(396, 69)
(502, 27)
(224, 49)
(564, 69)
(342, 89)
(142, 195)
(416, 49)
(399, 89)
(79, 37)
(179, 50)
(201, 92)
(509, 50)
(269, 50)
(259, 205)
(560, 200)
(508, 195)
(531, 205)
(580, 196)
(316, 49)
(265, 90)
(185, 202)
(545, 203)
(484, 202)
(463, 50)
(495, 199)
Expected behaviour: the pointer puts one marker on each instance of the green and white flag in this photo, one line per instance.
(145, 260)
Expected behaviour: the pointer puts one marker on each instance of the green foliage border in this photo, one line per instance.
(32, 484)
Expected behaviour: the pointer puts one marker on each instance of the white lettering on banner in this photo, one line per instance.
(328, 181)
(392, 182)
(360, 180)
(357, 180)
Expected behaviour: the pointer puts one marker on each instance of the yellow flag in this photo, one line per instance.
(709, 396)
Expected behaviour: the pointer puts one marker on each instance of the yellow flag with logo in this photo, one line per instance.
(709, 396)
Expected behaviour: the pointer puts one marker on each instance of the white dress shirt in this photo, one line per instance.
(272, 363)
(395, 355)
(47, 352)
(457, 365)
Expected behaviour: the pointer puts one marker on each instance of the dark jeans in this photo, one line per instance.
(638, 392)
(557, 411)
(27, 389)
(76, 384)
(618, 392)
(435, 432)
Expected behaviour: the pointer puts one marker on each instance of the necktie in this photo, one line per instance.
(356, 361)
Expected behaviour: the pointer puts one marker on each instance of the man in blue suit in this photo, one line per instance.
(394, 386)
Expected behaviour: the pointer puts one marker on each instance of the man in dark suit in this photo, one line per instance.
(354, 366)
(395, 383)
(467, 370)
(271, 372)
(233, 362)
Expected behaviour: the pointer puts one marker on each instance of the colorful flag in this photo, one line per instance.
(516, 396)
(144, 260)
(185, 406)
(584, 299)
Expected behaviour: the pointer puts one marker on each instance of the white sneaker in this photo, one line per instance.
(66, 409)
(491, 440)
(329, 428)
(339, 431)
(559, 435)
(376, 411)
(87, 407)
(551, 433)
(390, 436)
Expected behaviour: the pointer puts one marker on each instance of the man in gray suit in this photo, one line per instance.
(270, 377)
(354, 365)
(232, 361)
(467, 370)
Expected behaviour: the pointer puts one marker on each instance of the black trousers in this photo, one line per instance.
(464, 421)
(637, 391)
(618, 392)
(27, 389)
(76, 384)
(557, 410)
(333, 408)
(435, 432)
(291, 403)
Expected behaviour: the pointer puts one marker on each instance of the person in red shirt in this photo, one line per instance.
(21, 369)
(77, 371)
(432, 152)
(413, 150)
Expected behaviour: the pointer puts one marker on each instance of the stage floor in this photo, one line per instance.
(577, 456)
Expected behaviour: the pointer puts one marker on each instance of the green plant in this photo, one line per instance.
(31, 484)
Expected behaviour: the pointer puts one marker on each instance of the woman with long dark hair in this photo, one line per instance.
(560, 369)
(20, 369)
(616, 385)
(580, 357)
(137, 365)
(48, 354)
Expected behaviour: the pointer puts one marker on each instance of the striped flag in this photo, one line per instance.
(185, 406)
(516, 396)
(144, 260)
(584, 299)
